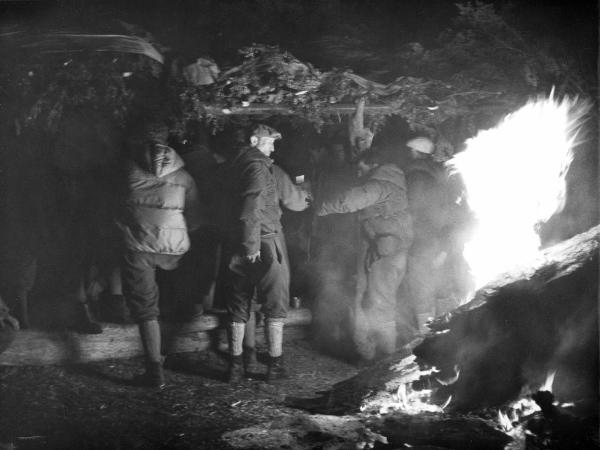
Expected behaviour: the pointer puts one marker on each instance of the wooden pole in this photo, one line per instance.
(258, 109)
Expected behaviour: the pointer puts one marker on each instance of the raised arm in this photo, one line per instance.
(352, 200)
(291, 196)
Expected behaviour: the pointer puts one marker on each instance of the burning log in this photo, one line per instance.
(483, 356)
(538, 317)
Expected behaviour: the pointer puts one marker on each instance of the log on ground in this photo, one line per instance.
(41, 347)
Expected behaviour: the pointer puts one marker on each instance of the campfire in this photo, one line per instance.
(515, 367)
(515, 180)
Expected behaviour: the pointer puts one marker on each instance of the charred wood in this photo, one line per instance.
(538, 318)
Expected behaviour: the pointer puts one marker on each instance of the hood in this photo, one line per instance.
(160, 160)
(390, 173)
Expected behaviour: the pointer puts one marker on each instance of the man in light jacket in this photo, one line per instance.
(160, 208)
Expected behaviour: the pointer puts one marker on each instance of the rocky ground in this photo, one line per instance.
(95, 406)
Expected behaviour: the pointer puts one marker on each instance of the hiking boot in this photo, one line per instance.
(236, 369)
(276, 371)
(250, 361)
(153, 377)
(85, 322)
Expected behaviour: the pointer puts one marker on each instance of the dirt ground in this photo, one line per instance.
(95, 406)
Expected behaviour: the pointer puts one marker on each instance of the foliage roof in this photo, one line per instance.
(478, 69)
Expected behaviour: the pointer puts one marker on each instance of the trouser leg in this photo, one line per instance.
(421, 283)
(115, 284)
(383, 281)
(273, 293)
(26, 276)
(274, 283)
(361, 326)
(362, 336)
(386, 338)
(151, 341)
(250, 333)
(85, 320)
(139, 285)
(250, 360)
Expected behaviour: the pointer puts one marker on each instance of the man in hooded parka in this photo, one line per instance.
(386, 230)
(160, 208)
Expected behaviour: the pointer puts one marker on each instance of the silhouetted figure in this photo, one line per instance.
(386, 234)
(438, 276)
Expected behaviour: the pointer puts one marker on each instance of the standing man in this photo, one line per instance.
(386, 232)
(438, 275)
(160, 208)
(294, 198)
(259, 259)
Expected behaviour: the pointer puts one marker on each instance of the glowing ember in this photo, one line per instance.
(515, 178)
(523, 407)
(407, 399)
(417, 401)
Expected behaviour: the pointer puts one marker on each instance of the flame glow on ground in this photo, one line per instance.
(514, 175)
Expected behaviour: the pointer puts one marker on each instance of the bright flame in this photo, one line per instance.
(547, 386)
(413, 401)
(504, 421)
(514, 175)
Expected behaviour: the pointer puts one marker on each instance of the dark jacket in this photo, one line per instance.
(428, 197)
(437, 201)
(255, 200)
(382, 202)
(161, 203)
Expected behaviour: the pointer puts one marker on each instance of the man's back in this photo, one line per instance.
(255, 199)
(159, 192)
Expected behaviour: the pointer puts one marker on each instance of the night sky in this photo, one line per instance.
(218, 28)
